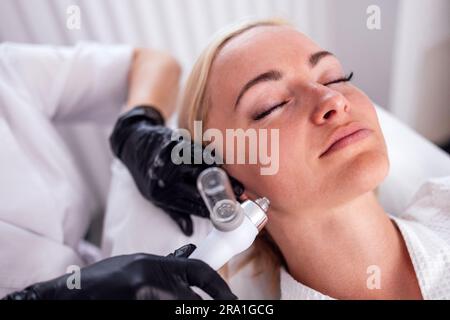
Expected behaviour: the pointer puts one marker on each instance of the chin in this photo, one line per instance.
(368, 170)
(362, 174)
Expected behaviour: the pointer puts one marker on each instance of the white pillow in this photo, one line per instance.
(413, 159)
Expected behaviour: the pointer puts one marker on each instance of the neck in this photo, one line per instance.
(331, 250)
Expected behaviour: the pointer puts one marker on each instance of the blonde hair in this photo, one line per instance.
(194, 107)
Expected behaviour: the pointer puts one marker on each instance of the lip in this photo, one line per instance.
(344, 136)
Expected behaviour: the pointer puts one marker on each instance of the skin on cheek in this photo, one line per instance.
(246, 174)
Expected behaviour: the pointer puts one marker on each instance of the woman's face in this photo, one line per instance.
(303, 94)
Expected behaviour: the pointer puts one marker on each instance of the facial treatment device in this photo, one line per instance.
(235, 225)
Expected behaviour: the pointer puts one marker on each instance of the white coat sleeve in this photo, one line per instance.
(87, 82)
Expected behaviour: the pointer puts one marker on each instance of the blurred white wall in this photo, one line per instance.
(420, 86)
(404, 66)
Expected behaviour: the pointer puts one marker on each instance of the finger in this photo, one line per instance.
(185, 251)
(189, 294)
(183, 221)
(185, 224)
(190, 173)
(201, 275)
(243, 197)
(238, 187)
(192, 207)
(186, 205)
(188, 191)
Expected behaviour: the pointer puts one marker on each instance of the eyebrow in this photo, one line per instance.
(274, 75)
(316, 57)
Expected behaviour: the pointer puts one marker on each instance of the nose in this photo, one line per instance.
(331, 106)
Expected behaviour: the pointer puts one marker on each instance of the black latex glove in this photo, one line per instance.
(136, 276)
(142, 142)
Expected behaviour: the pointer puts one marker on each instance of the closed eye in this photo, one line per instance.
(265, 113)
(343, 79)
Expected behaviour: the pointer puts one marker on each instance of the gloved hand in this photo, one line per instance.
(142, 142)
(137, 276)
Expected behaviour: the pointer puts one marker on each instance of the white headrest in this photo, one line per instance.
(413, 159)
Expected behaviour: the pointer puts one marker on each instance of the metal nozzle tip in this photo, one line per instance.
(264, 203)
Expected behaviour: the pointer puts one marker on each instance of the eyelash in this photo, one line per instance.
(265, 113)
(344, 79)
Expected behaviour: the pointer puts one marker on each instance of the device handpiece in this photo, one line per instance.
(235, 225)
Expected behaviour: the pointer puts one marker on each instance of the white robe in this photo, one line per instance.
(45, 208)
(425, 227)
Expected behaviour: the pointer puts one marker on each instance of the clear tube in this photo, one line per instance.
(214, 186)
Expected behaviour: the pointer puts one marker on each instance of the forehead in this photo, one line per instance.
(270, 38)
(258, 50)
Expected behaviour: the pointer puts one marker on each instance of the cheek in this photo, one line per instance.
(365, 112)
(362, 106)
(257, 185)
(358, 170)
(250, 177)
(296, 181)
